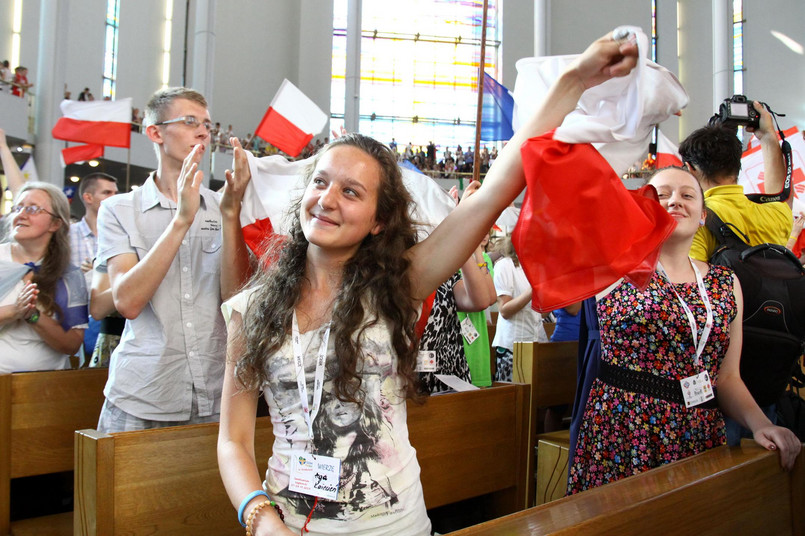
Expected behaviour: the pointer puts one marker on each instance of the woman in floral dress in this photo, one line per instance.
(670, 361)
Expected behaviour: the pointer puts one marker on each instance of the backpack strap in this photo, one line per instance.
(725, 233)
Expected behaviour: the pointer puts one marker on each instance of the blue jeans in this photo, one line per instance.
(735, 432)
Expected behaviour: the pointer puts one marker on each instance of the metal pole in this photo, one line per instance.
(476, 165)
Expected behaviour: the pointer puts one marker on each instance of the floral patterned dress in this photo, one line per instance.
(624, 433)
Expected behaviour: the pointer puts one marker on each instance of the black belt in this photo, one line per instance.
(648, 384)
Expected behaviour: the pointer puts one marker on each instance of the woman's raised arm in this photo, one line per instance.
(434, 259)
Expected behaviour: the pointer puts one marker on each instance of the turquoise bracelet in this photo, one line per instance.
(246, 501)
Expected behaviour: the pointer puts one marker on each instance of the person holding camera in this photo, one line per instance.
(713, 155)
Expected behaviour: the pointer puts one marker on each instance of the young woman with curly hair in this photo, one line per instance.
(333, 318)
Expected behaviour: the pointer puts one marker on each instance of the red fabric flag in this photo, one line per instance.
(81, 153)
(580, 229)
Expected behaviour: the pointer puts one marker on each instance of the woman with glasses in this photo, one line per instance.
(43, 316)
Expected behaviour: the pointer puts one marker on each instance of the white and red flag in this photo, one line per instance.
(276, 183)
(667, 152)
(579, 229)
(94, 123)
(291, 120)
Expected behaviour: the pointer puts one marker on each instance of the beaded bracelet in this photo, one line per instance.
(248, 498)
(256, 510)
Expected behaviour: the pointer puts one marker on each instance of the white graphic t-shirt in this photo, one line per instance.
(380, 491)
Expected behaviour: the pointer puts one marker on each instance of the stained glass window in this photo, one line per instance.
(419, 68)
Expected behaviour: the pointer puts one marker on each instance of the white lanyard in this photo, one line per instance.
(318, 380)
(698, 343)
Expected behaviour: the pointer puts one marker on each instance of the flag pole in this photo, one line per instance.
(476, 165)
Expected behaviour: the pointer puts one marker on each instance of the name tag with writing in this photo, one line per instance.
(426, 361)
(315, 475)
(468, 330)
(697, 389)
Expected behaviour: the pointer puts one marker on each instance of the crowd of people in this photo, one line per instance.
(352, 311)
(426, 159)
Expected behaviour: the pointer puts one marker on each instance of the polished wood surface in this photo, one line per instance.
(552, 456)
(166, 481)
(739, 490)
(550, 368)
(39, 413)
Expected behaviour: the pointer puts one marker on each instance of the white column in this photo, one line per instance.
(203, 58)
(541, 27)
(722, 51)
(352, 93)
(49, 88)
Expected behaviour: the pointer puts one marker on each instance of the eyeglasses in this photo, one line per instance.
(31, 210)
(189, 120)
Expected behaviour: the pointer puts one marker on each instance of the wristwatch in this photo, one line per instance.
(34, 318)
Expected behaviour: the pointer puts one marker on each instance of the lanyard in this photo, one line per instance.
(698, 343)
(318, 380)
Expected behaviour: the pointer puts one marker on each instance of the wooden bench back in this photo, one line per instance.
(39, 414)
(739, 490)
(550, 369)
(161, 481)
(166, 481)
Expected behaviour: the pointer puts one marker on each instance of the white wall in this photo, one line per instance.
(517, 27)
(577, 23)
(696, 63)
(774, 73)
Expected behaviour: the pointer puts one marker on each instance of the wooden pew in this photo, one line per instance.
(473, 443)
(739, 490)
(166, 481)
(550, 369)
(39, 414)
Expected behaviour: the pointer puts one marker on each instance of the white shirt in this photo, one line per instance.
(526, 324)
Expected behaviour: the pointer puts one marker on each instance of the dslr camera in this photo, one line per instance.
(736, 111)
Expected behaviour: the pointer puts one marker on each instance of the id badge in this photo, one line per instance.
(426, 361)
(468, 330)
(697, 389)
(315, 475)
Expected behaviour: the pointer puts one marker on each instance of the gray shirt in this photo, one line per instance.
(177, 345)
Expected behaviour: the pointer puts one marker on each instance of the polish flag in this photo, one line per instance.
(580, 229)
(667, 152)
(618, 116)
(105, 123)
(291, 120)
(81, 153)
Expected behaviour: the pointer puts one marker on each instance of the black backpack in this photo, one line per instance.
(773, 284)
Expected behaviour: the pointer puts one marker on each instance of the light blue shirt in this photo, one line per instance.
(177, 345)
(83, 245)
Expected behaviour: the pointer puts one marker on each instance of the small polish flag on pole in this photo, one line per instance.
(667, 152)
(291, 120)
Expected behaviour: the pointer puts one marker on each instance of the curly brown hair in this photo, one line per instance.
(374, 285)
